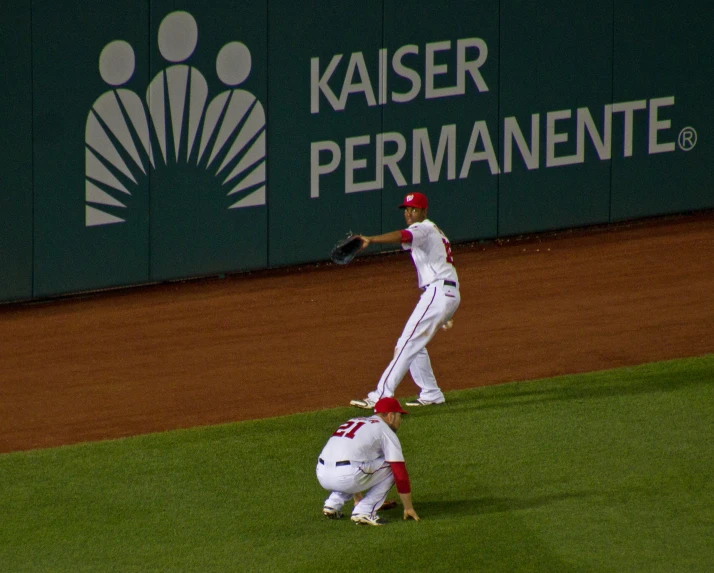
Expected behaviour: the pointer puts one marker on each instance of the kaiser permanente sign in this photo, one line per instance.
(365, 155)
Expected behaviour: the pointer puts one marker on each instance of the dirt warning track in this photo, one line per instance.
(277, 342)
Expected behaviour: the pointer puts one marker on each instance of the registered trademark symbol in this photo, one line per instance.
(687, 139)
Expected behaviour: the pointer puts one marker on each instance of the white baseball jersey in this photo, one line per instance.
(431, 253)
(363, 440)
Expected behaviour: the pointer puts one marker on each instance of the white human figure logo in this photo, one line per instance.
(116, 66)
(178, 36)
(237, 110)
(234, 117)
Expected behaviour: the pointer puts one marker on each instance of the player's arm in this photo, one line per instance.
(401, 479)
(402, 236)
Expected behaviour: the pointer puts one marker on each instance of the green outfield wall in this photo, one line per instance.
(151, 141)
(16, 153)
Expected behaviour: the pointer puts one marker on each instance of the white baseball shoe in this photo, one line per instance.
(367, 520)
(420, 402)
(365, 404)
(331, 513)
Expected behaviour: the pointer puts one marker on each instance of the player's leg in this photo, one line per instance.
(334, 503)
(377, 486)
(423, 376)
(419, 330)
(342, 482)
(420, 368)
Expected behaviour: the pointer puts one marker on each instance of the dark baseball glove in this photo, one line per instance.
(346, 250)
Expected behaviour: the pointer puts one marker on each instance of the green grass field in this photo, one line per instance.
(604, 472)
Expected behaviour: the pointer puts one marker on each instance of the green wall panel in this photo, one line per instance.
(442, 108)
(664, 53)
(16, 156)
(171, 139)
(312, 205)
(91, 196)
(208, 97)
(556, 56)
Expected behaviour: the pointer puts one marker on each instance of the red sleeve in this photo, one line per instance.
(407, 236)
(401, 477)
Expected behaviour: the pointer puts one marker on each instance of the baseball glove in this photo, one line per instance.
(388, 504)
(346, 250)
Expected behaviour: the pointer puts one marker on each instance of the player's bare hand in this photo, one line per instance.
(447, 325)
(365, 241)
(411, 513)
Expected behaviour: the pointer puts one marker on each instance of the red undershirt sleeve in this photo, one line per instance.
(407, 236)
(401, 477)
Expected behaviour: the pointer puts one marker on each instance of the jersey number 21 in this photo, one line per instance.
(348, 429)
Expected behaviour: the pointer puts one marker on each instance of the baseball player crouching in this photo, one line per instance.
(362, 460)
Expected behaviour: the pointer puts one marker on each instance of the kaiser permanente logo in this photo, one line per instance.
(341, 81)
(176, 122)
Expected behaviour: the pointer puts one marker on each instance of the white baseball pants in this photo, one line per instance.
(374, 478)
(436, 306)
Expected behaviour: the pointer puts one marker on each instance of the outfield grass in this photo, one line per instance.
(605, 472)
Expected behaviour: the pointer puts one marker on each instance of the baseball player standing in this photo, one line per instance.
(431, 252)
(365, 455)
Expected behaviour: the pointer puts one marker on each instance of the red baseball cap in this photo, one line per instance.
(416, 200)
(386, 405)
